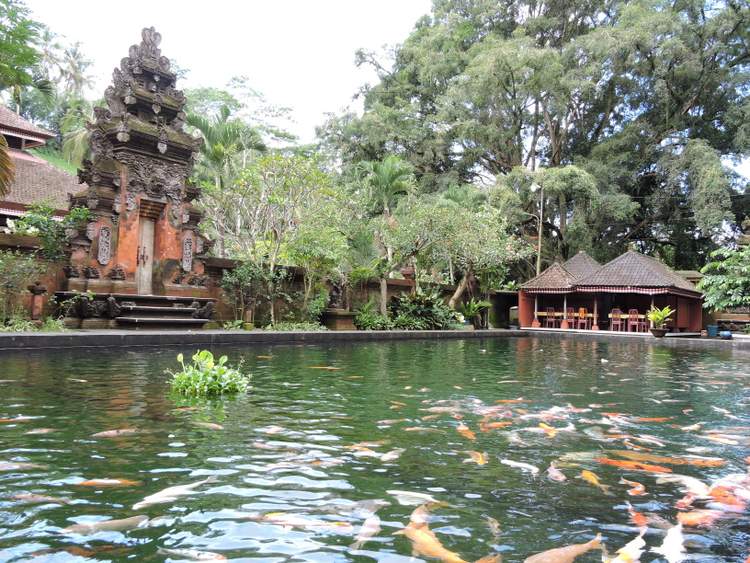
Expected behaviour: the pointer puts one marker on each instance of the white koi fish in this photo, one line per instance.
(170, 494)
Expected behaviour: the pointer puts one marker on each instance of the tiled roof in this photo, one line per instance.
(581, 265)
(13, 124)
(634, 269)
(554, 277)
(38, 181)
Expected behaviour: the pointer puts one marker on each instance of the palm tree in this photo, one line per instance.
(73, 70)
(385, 182)
(74, 132)
(7, 168)
(228, 144)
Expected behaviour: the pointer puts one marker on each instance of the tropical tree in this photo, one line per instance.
(726, 279)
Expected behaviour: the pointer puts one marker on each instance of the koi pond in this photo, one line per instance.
(455, 450)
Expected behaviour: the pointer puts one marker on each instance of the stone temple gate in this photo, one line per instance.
(143, 238)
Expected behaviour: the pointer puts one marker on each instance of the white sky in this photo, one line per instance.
(297, 53)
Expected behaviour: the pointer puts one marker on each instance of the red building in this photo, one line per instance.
(582, 294)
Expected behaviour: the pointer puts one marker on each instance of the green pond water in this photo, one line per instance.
(292, 481)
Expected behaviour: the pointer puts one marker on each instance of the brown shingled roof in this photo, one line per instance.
(13, 124)
(554, 277)
(581, 265)
(634, 269)
(37, 181)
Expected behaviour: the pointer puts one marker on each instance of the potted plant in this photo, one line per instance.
(472, 310)
(659, 318)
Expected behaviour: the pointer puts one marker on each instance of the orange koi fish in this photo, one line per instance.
(698, 518)
(424, 542)
(487, 426)
(593, 478)
(637, 518)
(480, 458)
(653, 418)
(510, 401)
(101, 483)
(694, 461)
(633, 465)
(566, 554)
(466, 432)
(724, 495)
(636, 490)
(550, 431)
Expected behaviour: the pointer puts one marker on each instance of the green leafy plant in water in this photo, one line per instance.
(207, 377)
(659, 317)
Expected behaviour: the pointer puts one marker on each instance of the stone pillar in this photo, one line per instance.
(37, 290)
(564, 322)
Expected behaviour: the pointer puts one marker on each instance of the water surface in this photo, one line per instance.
(292, 479)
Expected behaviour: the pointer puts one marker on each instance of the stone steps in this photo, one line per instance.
(160, 312)
(162, 323)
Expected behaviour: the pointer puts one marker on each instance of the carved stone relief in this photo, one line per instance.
(104, 254)
(187, 253)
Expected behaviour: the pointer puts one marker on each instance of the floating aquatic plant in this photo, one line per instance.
(208, 377)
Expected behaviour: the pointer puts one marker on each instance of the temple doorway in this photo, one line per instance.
(145, 257)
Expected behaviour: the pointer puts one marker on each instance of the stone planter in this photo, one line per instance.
(659, 332)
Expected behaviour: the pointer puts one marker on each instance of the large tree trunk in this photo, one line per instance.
(563, 214)
(384, 297)
(460, 288)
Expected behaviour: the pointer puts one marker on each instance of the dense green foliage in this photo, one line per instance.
(624, 112)
(40, 221)
(17, 271)
(726, 279)
(207, 377)
(421, 311)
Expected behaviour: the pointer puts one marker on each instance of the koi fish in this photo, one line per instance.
(688, 460)
(653, 418)
(673, 546)
(370, 527)
(209, 425)
(409, 498)
(593, 479)
(107, 525)
(636, 490)
(724, 495)
(487, 426)
(633, 465)
(698, 518)
(637, 518)
(325, 368)
(550, 431)
(40, 431)
(689, 484)
(15, 419)
(170, 494)
(116, 433)
(555, 474)
(566, 554)
(102, 483)
(31, 498)
(522, 466)
(289, 521)
(466, 432)
(391, 421)
(480, 458)
(510, 401)
(494, 527)
(424, 542)
(629, 553)
(19, 465)
(192, 554)
(392, 455)
(264, 357)
(421, 429)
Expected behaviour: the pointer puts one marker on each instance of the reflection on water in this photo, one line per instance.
(328, 464)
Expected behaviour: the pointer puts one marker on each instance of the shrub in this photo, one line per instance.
(233, 325)
(473, 310)
(368, 318)
(17, 270)
(290, 326)
(422, 311)
(207, 377)
(659, 316)
(18, 324)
